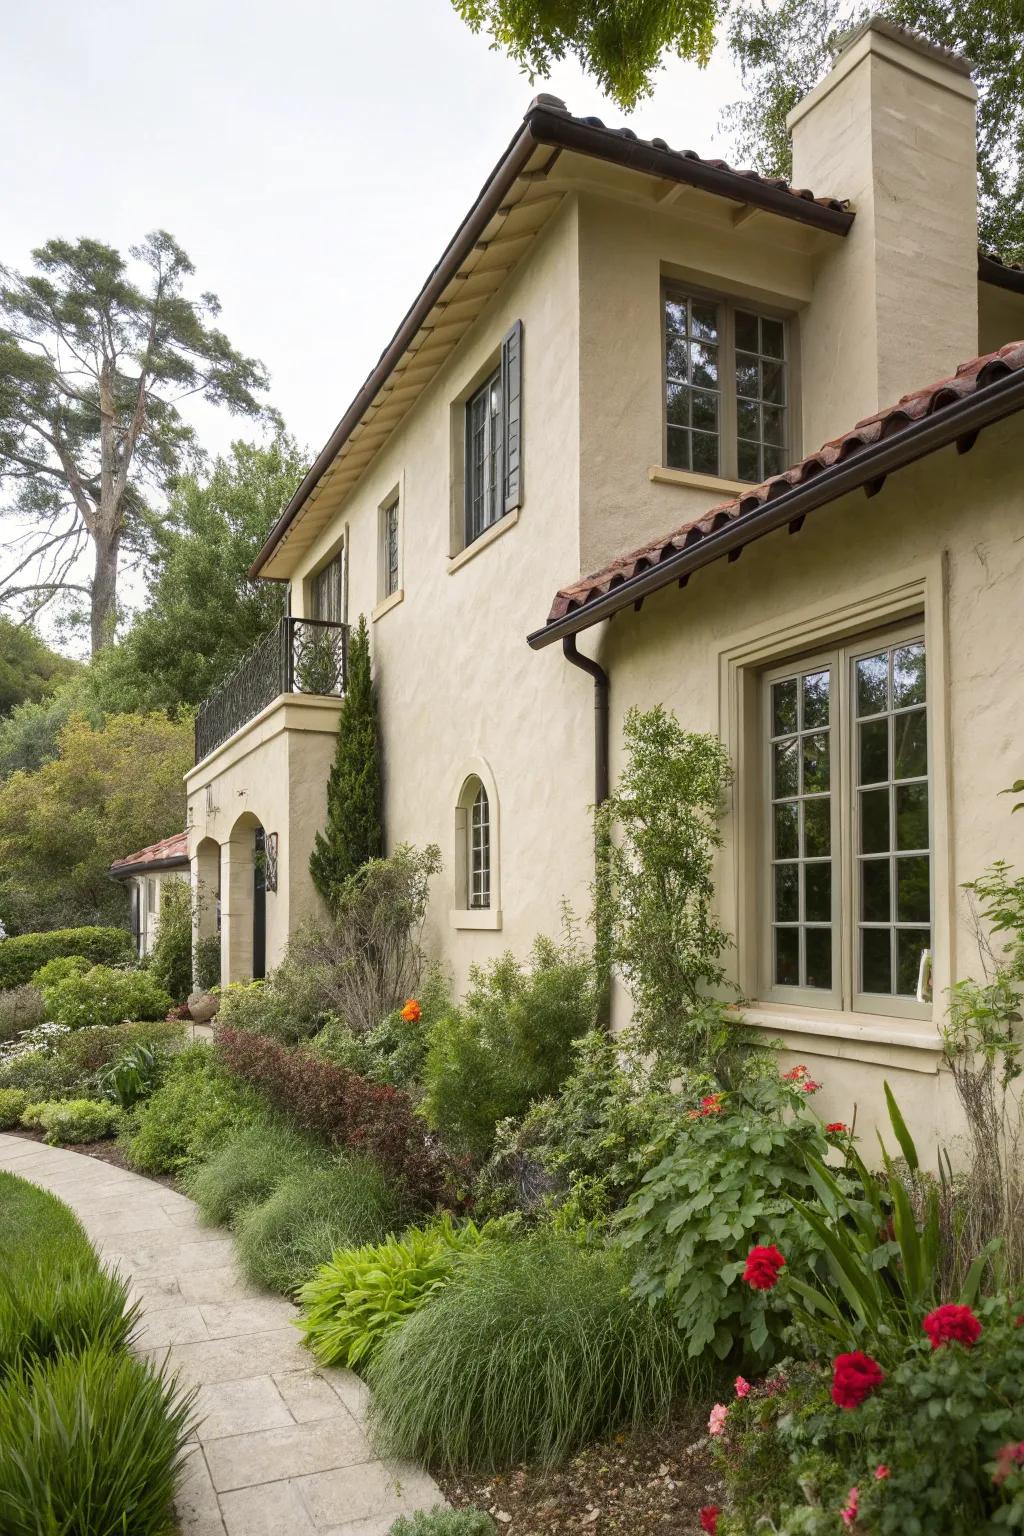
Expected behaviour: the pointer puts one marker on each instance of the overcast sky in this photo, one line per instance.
(312, 158)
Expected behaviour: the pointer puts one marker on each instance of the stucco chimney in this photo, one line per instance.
(895, 304)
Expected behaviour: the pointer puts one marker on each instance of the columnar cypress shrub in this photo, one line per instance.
(354, 833)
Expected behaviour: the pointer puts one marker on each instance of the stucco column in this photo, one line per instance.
(205, 864)
(237, 861)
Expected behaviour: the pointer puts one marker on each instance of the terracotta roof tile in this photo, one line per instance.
(969, 377)
(168, 850)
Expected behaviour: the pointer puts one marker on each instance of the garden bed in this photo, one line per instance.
(648, 1484)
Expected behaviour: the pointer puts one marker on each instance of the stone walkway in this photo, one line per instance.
(281, 1449)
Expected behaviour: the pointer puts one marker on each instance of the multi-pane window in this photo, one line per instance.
(480, 851)
(726, 388)
(389, 548)
(847, 834)
(484, 504)
(327, 595)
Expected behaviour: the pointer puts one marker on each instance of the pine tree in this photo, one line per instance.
(354, 832)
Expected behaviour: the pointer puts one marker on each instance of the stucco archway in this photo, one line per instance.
(243, 902)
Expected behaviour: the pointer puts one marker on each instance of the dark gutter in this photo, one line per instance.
(593, 669)
(959, 419)
(122, 871)
(543, 126)
(602, 787)
(992, 270)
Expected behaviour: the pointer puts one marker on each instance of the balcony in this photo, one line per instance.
(299, 656)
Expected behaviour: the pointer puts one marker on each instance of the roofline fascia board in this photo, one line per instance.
(122, 871)
(999, 275)
(562, 130)
(543, 127)
(989, 404)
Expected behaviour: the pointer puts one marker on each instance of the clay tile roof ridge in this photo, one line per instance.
(167, 848)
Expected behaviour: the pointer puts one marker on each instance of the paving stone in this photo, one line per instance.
(223, 1283)
(241, 1461)
(123, 1220)
(240, 1407)
(261, 1314)
(170, 1325)
(349, 1388)
(308, 1395)
(231, 1359)
(196, 1504)
(271, 1509)
(368, 1488)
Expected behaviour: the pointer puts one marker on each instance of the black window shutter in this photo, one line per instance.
(512, 415)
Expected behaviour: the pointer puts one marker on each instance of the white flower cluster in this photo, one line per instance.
(43, 1038)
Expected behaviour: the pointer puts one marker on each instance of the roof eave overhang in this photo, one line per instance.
(122, 871)
(957, 422)
(543, 127)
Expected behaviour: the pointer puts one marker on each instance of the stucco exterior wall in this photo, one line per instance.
(458, 686)
(946, 538)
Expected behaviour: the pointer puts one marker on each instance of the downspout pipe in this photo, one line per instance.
(602, 785)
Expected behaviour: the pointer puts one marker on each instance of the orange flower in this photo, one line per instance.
(412, 1012)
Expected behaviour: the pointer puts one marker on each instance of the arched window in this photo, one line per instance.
(479, 881)
(477, 899)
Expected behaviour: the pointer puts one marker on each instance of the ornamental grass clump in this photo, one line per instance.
(313, 1213)
(531, 1351)
(248, 1167)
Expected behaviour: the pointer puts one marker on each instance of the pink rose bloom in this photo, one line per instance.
(742, 1387)
(881, 1471)
(716, 1423)
(849, 1514)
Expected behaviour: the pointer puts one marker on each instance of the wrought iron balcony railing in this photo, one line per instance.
(298, 656)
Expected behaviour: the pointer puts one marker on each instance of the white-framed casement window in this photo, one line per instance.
(846, 839)
(475, 861)
(390, 547)
(728, 387)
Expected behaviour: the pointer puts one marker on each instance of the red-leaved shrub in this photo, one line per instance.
(340, 1107)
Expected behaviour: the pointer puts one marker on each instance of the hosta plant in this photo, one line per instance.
(353, 1301)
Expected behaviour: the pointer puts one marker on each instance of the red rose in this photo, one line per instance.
(835, 1128)
(795, 1074)
(854, 1377)
(952, 1324)
(762, 1268)
(1008, 1459)
(709, 1518)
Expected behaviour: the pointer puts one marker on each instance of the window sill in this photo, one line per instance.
(473, 917)
(386, 604)
(456, 562)
(662, 475)
(841, 1033)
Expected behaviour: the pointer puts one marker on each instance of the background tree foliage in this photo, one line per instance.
(784, 49)
(110, 789)
(619, 42)
(29, 670)
(203, 612)
(93, 367)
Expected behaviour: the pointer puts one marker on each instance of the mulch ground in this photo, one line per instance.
(649, 1484)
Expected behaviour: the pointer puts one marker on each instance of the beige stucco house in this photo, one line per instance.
(630, 348)
(145, 874)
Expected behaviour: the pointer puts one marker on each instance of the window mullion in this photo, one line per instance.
(727, 394)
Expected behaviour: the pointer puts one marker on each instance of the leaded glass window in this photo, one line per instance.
(389, 539)
(480, 851)
(727, 386)
(483, 458)
(847, 825)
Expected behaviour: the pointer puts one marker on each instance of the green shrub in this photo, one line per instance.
(395, 1050)
(170, 960)
(20, 1008)
(13, 1103)
(312, 1214)
(105, 996)
(207, 962)
(60, 1306)
(354, 1300)
(582, 1154)
(60, 969)
(21, 957)
(444, 1522)
(69, 1121)
(530, 1352)
(194, 1110)
(508, 1044)
(90, 1443)
(726, 1185)
(248, 1167)
(87, 1051)
(132, 1077)
(39, 1074)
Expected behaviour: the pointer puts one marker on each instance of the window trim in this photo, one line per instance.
(897, 596)
(476, 775)
(845, 993)
(388, 596)
(728, 303)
